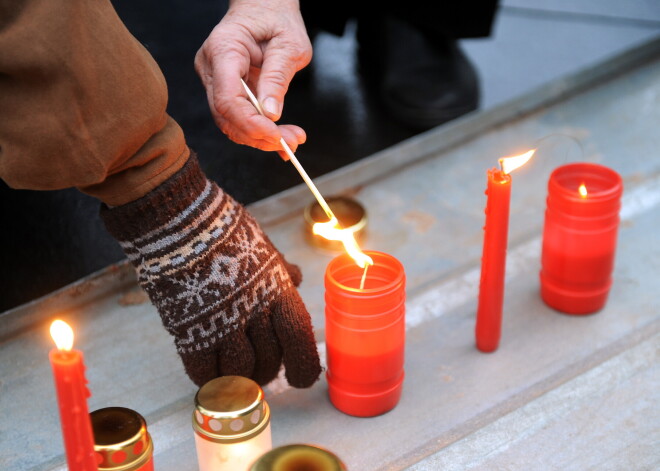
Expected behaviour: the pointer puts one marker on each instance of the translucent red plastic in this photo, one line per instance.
(365, 334)
(580, 237)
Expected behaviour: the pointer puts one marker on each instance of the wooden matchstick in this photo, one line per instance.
(294, 160)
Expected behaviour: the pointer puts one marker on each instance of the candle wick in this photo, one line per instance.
(364, 276)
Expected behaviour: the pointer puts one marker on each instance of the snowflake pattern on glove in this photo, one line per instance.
(224, 270)
(221, 288)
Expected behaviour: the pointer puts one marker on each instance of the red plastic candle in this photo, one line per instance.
(579, 237)
(493, 259)
(72, 393)
(365, 334)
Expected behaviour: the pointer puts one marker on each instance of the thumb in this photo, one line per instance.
(279, 66)
(294, 330)
(294, 272)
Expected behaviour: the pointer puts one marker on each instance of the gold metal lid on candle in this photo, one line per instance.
(230, 409)
(121, 439)
(350, 214)
(298, 457)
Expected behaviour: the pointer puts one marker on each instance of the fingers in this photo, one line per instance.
(294, 272)
(201, 366)
(224, 58)
(268, 49)
(236, 354)
(294, 136)
(282, 59)
(252, 137)
(286, 52)
(268, 354)
(255, 354)
(239, 120)
(293, 327)
(237, 117)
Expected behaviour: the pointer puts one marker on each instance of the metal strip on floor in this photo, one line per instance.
(561, 391)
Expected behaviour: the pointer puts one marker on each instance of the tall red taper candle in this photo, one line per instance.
(493, 261)
(72, 393)
(493, 258)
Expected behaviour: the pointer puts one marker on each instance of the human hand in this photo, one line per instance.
(264, 43)
(221, 288)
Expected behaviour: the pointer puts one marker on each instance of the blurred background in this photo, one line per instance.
(51, 239)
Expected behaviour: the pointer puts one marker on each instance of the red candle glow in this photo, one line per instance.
(364, 326)
(365, 334)
(579, 237)
(493, 259)
(72, 393)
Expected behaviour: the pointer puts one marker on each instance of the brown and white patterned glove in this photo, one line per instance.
(222, 289)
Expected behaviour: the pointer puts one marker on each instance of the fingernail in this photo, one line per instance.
(272, 107)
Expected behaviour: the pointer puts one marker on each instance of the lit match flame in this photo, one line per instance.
(509, 164)
(62, 335)
(331, 231)
(582, 190)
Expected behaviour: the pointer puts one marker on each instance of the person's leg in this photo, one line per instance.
(422, 76)
(327, 16)
(455, 20)
(410, 55)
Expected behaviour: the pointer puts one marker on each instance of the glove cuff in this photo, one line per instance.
(174, 198)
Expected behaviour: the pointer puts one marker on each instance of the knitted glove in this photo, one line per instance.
(222, 290)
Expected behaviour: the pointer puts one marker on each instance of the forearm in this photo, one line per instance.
(82, 103)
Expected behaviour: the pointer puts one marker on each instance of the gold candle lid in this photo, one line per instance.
(298, 457)
(230, 409)
(121, 440)
(350, 214)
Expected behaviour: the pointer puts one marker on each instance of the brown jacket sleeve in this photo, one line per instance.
(82, 103)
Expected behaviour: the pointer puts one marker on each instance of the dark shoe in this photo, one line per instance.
(422, 81)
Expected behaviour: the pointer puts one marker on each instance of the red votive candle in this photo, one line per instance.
(579, 237)
(365, 334)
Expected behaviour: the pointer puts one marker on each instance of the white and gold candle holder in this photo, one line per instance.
(231, 421)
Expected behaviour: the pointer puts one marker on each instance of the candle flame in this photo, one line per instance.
(582, 190)
(62, 335)
(331, 231)
(509, 164)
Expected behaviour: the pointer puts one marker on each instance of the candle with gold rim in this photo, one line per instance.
(231, 422)
(122, 442)
(299, 457)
